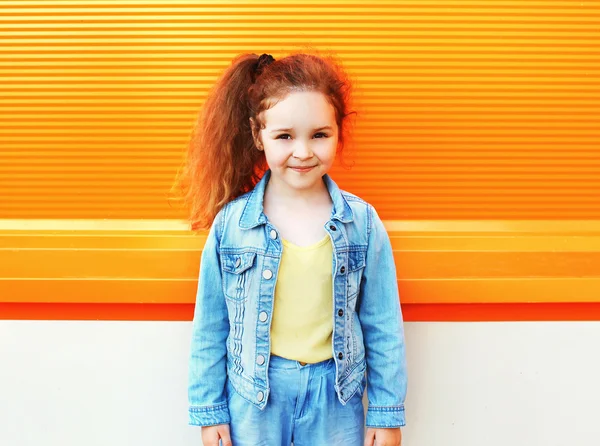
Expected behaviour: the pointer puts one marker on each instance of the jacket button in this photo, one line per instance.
(333, 228)
(260, 359)
(267, 274)
(273, 234)
(340, 312)
(340, 355)
(237, 262)
(343, 269)
(263, 316)
(260, 396)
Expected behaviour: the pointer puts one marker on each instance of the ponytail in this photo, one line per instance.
(222, 161)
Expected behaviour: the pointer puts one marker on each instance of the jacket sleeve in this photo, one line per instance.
(381, 320)
(207, 376)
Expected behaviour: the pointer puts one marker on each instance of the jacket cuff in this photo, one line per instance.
(385, 416)
(209, 415)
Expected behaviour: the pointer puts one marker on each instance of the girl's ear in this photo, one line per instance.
(255, 134)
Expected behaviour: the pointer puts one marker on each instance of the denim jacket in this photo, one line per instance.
(234, 304)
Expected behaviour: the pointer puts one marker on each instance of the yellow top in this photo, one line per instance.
(302, 324)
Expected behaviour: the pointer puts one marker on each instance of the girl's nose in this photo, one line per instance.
(302, 151)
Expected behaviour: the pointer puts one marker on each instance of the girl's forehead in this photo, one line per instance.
(306, 108)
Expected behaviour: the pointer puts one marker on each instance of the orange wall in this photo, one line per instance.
(478, 140)
(468, 109)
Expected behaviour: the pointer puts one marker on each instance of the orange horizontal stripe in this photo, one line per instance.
(438, 262)
(413, 291)
(96, 311)
(411, 312)
(588, 311)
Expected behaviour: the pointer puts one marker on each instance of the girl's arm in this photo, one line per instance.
(381, 320)
(208, 358)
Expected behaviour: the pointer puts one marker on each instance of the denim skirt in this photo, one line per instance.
(302, 409)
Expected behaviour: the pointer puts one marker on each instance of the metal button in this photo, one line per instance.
(302, 363)
(260, 359)
(237, 262)
(267, 274)
(340, 312)
(340, 355)
(343, 269)
(273, 234)
(263, 316)
(260, 396)
(333, 228)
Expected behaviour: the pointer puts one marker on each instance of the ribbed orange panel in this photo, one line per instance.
(467, 109)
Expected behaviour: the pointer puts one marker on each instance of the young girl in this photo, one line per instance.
(297, 306)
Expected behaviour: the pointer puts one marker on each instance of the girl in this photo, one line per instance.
(297, 306)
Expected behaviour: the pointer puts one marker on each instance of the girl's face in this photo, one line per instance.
(300, 139)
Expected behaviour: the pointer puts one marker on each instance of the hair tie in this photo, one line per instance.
(263, 61)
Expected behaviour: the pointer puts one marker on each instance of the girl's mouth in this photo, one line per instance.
(302, 169)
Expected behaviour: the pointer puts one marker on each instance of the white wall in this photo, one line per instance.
(470, 384)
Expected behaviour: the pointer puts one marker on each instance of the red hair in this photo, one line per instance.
(222, 160)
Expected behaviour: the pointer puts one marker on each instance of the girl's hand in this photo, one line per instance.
(383, 436)
(212, 434)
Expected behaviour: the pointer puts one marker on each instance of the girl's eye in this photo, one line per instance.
(288, 136)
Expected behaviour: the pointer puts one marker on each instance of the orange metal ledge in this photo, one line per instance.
(447, 270)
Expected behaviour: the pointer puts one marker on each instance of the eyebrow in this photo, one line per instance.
(327, 127)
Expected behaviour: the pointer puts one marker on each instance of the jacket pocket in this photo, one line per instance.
(356, 266)
(237, 274)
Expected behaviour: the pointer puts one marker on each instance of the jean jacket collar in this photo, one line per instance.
(253, 215)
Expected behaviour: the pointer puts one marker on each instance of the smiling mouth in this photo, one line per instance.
(302, 168)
